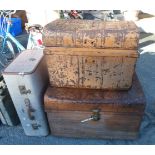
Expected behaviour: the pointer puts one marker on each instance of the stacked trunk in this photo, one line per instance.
(89, 63)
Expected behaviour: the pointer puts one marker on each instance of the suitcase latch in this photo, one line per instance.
(35, 126)
(94, 117)
(23, 90)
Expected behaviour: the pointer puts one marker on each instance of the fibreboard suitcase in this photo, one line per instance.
(88, 113)
(8, 115)
(91, 54)
(27, 78)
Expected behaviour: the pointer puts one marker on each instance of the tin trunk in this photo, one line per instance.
(91, 54)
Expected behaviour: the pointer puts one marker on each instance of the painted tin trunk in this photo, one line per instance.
(90, 68)
(91, 34)
(26, 78)
(91, 54)
(89, 113)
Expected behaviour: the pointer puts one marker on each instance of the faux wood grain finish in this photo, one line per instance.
(131, 101)
(91, 34)
(111, 125)
(120, 112)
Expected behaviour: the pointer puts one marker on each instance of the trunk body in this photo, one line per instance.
(114, 114)
(91, 54)
(91, 34)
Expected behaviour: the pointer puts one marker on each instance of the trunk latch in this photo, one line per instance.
(94, 117)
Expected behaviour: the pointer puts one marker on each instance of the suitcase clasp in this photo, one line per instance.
(23, 90)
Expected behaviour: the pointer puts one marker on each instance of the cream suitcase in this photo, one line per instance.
(26, 78)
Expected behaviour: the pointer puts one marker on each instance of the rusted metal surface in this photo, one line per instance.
(95, 72)
(91, 34)
(71, 112)
(91, 54)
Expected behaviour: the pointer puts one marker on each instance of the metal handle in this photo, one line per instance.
(23, 90)
(30, 110)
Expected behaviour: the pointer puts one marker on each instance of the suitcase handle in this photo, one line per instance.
(30, 110)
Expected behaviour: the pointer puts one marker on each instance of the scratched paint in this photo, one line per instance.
(93, 34)
(90, 72)
(84, 70)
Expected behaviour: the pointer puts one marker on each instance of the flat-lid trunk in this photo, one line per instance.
(70, 99)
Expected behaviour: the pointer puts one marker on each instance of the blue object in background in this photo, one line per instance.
(16, 26)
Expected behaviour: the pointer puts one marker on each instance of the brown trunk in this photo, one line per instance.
(110, 125)
(116, 114)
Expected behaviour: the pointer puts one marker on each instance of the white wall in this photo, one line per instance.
(41, 17)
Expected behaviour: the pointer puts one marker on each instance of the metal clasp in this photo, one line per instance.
(23, 90)
(35, 126)
(95, 116)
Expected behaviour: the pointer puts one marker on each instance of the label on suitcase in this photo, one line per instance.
(95, 113)
(26, 78)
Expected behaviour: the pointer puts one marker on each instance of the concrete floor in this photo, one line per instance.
(146, 72)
